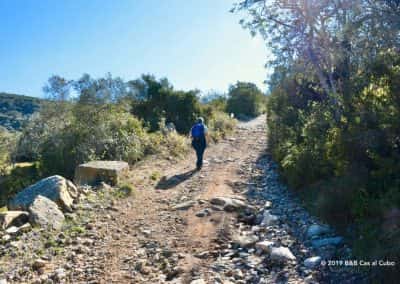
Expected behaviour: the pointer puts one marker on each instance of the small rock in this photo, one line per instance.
(198, 281)
(6, 238)
(25, 228)
(281, 254)
(59, 274)
(229, 204)
(269, 219)
(268, 204)
(38, 263)
(265, 246)
(16, 244)
(184, 205)
(203, 213)
(245, 240)
(13, 218)
(145, 232)
(12, 230)
(312, 262)
(326, 242)
(315, 230)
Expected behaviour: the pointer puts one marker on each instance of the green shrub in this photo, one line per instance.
(220, 125)
(160, 101)
(7, 146)
(124, 190)
(17, 179)
(245, 99)
(343, 160)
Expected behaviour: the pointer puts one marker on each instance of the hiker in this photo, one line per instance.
(199, 143)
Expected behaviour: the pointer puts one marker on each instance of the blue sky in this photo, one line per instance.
(195, 44)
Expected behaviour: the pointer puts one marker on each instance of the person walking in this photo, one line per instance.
(199, 143)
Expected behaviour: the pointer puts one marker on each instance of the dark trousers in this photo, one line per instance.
(199, 145)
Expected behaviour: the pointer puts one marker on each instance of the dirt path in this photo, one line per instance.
(152, 222)
(176, 228)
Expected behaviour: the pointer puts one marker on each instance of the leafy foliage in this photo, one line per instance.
(7, 145)
(334, 109)
(158, 100)
(245, 99)
(220, 125)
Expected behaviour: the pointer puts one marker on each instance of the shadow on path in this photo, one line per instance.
(167, 183)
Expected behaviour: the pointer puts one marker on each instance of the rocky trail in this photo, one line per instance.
(231, 222)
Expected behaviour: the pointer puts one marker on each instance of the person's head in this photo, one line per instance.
(200, 120)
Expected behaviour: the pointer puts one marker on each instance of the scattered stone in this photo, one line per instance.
(316, 230)
(198, 281)
(56, 188)
(202, 255)
(25, 227)
(245, 241)
(268, 204)
(265, 246)
(229, 204)
(94, 172)
(6, 238)
(281, 254)
(39, 263)
(12, 230)
(59, 274)
(184, 205)
(13, 218)
(312, 262)
(45, 213)
(16, 244)
(327, 242)
(269, 219)
(203, 213)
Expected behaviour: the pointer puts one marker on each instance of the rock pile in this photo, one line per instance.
(42, 204)
(283, 243)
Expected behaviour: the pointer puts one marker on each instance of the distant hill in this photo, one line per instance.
(16, 109)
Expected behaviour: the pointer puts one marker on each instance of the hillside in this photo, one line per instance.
(15, 109)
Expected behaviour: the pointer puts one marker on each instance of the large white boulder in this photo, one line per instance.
(45, 213)
(55, 188)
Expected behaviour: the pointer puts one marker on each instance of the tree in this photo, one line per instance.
(327, 38)
(245, 99)
(157, 101)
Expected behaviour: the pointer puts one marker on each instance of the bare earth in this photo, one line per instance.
(168, 232)
(148, 217)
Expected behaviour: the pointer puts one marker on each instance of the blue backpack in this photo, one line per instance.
(198, 130)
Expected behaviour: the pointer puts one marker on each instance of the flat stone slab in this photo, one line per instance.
(95, 172)
(13, 218)
(184, 205)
